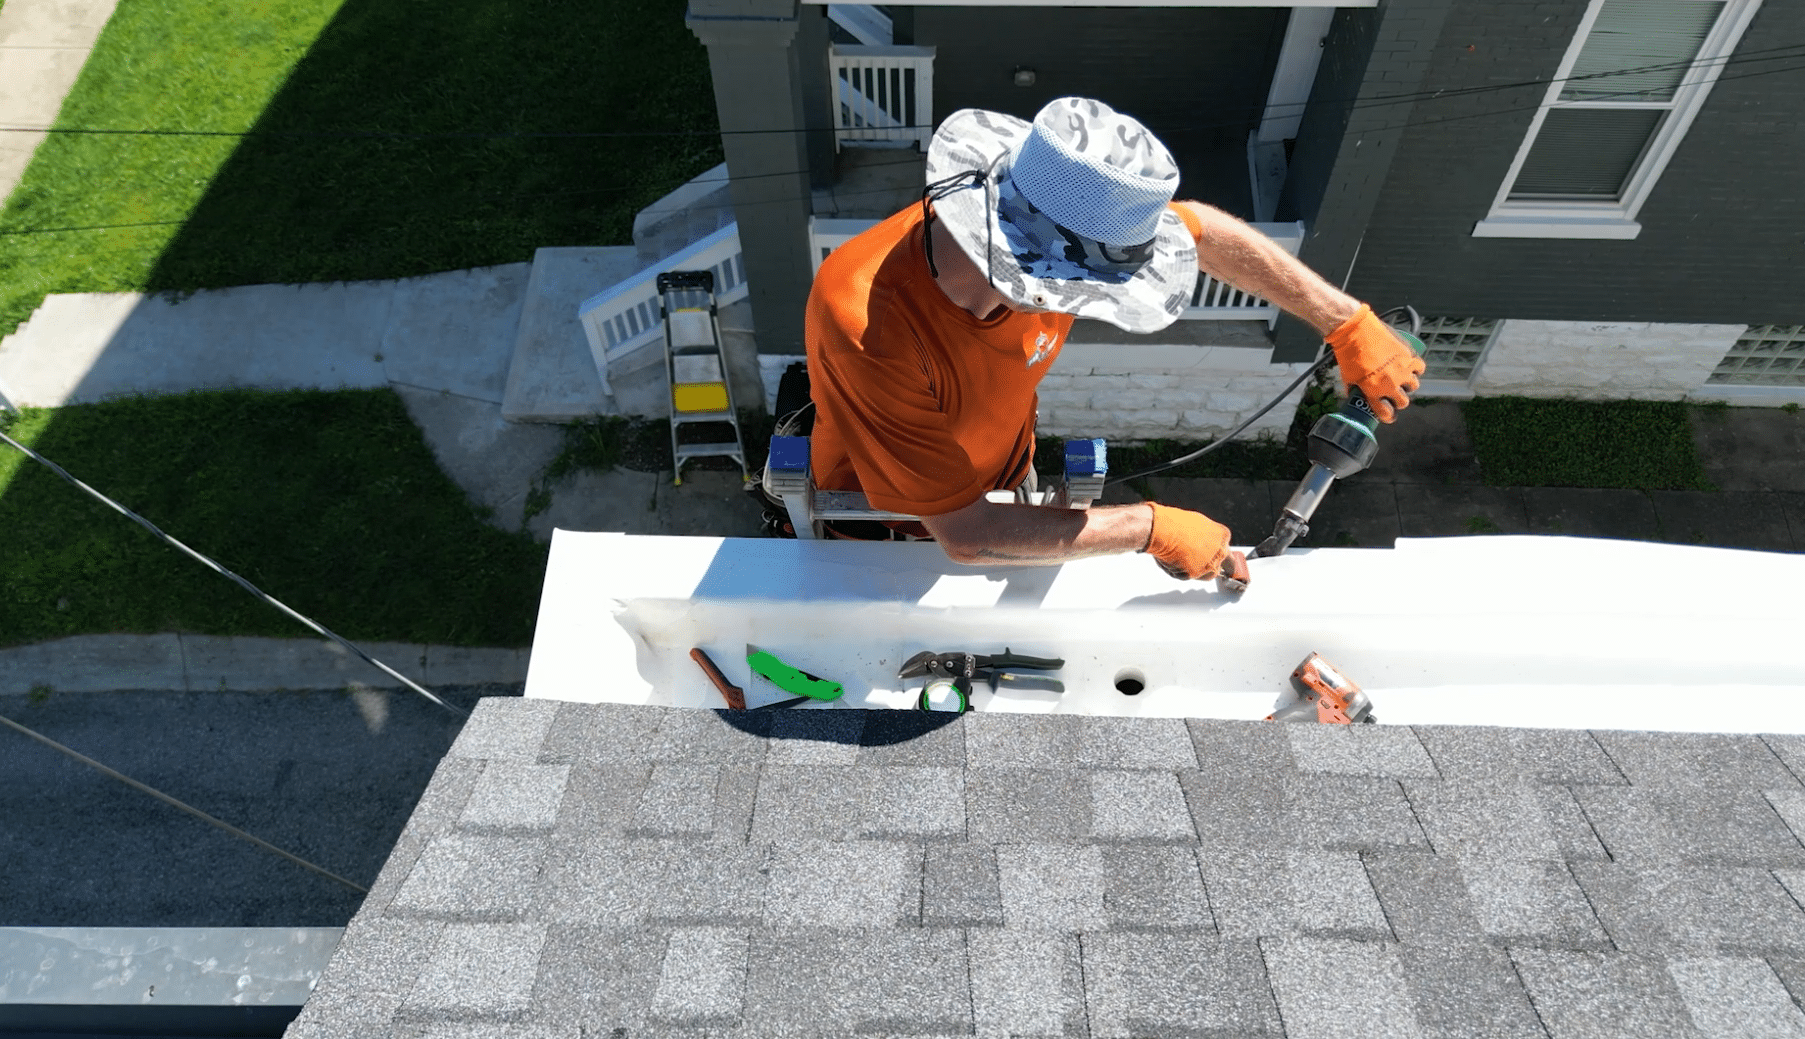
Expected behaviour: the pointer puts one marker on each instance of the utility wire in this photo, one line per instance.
(190, 809)
(241, 582)
(1410, 123)
(1354, 103)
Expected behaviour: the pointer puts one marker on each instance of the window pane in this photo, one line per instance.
(1660, 37)
(1585, 153)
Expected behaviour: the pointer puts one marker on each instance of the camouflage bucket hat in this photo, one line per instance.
(1068, 213)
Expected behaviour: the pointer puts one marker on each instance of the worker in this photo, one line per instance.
(928, 333)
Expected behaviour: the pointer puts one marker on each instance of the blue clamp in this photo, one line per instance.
(1085, 457)
(789, 454)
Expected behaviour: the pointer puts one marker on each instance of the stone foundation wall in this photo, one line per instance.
(1602, 361)
(1152, 391)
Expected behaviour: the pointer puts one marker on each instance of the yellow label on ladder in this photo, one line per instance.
(699, 396)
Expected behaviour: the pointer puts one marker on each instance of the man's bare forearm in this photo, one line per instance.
(1233, 252)
(989, 533)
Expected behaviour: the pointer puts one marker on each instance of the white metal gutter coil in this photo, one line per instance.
(1502, 630)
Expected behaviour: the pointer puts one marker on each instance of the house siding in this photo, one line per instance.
(1197, 77)
(1720, 241)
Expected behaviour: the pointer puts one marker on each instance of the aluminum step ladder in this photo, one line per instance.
(700, 395)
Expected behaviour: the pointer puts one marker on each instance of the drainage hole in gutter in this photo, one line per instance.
(1130, 681)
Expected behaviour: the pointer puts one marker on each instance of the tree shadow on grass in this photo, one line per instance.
(329, 186)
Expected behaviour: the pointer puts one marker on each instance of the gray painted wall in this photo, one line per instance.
(1197, 76)
(1723, 233)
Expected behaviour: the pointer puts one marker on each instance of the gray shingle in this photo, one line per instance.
(703, 977)
(1481, 753)
(1691, 759)
(830, 982)
(912, 738)
(797, 801)
(1240, 748)
(1738, 998)
(478, 970)
(370, 974)
(814, 737)
(678, 799)
(1423, 896)
(1597, 995)
(960, 887)
(1005, 805)
(1293, 892)
(1790, 750)
(654, 734)
(1255, 811)
(602, 798)
(1124, 743)
(598, 980)
(483, 1030)
(627, 882)
(843, 884)
(515, 797)
(1693, 909)
(1139, 806)
(473, 877)
(1155, 888)
(1026, 985)
(1176, 984)
(1372, 750)
(438, 810)
(1573, 832)
(505, 728)
(1790, 805)
(1051, 887)
(1718, 825)
(567, 739)
(1336, 989)
(912, 801)
(1527, 902)
(999, 740)
(1467, 990)
(1488, 819)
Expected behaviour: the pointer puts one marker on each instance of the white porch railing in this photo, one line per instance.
(865, 22)
(621, 320)
(626, 318)
(883, 96)
(1211, 300)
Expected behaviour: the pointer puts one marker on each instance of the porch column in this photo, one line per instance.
(1345, 142)
(758, 96)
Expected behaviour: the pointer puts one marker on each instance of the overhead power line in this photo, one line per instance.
(1409, 123)
(1355, 103)
(190, 809)
(241, 582)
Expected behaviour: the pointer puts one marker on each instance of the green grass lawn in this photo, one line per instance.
(329, 501)
(1640, 444)
(315, 191)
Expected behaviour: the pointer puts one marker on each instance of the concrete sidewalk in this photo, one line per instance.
(43, 46)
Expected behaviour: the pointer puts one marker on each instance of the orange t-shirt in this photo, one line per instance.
(919, 404)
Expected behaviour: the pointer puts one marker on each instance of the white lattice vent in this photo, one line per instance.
(1765, 355)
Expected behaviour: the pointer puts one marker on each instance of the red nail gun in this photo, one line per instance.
(1324, 694)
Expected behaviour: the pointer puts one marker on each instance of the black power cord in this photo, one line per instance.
(1416, 327)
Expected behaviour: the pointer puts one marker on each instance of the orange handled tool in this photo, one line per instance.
(733, 694)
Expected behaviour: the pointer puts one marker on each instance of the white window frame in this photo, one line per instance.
(1614, 219)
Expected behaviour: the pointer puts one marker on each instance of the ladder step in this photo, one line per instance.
(693, 397)
(851, 505)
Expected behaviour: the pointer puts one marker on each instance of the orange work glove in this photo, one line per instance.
(1377, 361)
(1188, 545)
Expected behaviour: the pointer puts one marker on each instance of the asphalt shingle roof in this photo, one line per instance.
(626, 872)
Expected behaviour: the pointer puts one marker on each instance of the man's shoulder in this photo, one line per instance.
(867, 284)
